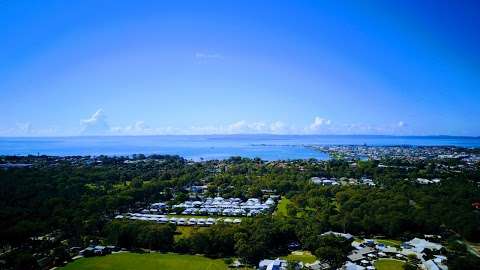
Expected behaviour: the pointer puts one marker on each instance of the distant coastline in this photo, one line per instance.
(196, 147)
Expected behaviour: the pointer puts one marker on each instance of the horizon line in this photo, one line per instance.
(242, 134)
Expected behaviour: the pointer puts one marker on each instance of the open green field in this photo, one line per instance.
(301, 256)
(388, 264)
(147, 261)
(389, 242)
(282, 207)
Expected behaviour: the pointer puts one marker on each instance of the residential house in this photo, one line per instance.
(277, 264)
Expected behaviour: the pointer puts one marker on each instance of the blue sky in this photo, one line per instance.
(203, 67)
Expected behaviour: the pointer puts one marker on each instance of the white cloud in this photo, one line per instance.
(241, 127)
(401, 124)
(194, 130)
(96, 125)
(245, 127)
(96, 117)
(20, 129)
(138, 128)
(24, 128)
(365, 129)
(319, 124)
(201, 55)
(278, 127)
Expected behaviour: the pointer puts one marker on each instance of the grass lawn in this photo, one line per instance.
(148, 261)
(282, 207)
(388, 264)
(389, 242)
(301, 256)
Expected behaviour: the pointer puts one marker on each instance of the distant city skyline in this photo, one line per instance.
(239, 67)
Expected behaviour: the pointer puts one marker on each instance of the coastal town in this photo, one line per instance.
(253, 214)
(467, 157)
(240, 135)
(404, 152)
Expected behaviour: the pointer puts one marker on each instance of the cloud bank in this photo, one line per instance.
(26, 129)
(98, 125)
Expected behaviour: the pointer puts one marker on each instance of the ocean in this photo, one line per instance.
(198, 147)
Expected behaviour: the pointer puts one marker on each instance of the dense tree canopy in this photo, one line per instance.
(80, 195)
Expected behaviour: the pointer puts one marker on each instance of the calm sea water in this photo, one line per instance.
(267, 147)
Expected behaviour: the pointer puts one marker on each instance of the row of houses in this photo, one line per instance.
(362, 181)
(424, 181)
(163, 219)
(226, 207)
(342, 181)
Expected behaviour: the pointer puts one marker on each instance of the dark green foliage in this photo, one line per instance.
(135, 234)
(333, 250)
(410, 266)
(469, 261)
(263, 238)
(77, 198)
(80, 198)
(24, 261)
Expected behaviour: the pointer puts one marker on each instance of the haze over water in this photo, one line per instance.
(267, 147)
